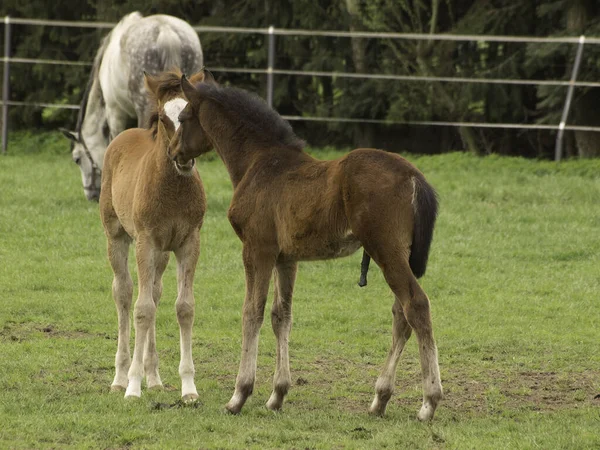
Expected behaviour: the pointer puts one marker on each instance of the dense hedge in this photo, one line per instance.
(344, 97)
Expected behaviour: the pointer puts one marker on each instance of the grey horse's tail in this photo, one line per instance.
(168, 43)
(425, 206)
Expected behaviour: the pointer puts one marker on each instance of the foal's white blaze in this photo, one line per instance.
(173, 108)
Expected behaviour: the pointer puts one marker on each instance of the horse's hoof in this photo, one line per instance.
(117, 388)
(156, 387)
(425, 414)
(377, 408)
(274, 403)
(236, 403)
(232, 409)
(189, 398)
(274, 408)
(132, 393)
(132, 397)
(376, 412)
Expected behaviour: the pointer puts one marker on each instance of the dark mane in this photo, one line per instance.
(93, 76)
(251, 111)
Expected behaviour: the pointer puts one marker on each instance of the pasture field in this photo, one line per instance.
(513, 279)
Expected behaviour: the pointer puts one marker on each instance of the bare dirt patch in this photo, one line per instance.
(22, 331)
(52, 331)
(488, 392)
(495, 392)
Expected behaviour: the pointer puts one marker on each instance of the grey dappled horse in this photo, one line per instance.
(115, 93)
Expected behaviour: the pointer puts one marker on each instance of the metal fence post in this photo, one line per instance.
(565, 114)
(271, 64)
(5, 84)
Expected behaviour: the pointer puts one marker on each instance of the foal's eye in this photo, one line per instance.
(77, 161)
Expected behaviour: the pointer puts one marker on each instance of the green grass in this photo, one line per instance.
(513, 279)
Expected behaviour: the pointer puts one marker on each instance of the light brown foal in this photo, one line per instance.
(289, 207)
(148, 197)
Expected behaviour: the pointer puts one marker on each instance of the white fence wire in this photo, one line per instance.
(270, 71)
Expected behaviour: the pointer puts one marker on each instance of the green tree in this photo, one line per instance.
(555, 61)
(350, 97)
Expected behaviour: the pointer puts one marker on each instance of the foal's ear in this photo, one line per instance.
(198, 77)
(151, 83)
(189, 91)
(209, 77)
(203, 76)
(71, 135)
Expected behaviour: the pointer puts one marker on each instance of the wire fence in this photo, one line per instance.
(270, 71)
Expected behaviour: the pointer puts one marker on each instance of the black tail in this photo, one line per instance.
(425, 209)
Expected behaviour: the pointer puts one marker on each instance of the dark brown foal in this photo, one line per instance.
(288, 207)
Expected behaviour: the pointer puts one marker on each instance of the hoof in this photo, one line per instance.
(426, 413)
(156, 387)
(189, 398)
(275, 403)
(132, 397)
(117, 388)
(376, 412)
(236, 403)
(377, 408)
(232, 409)
(274, 408)
(132, 393)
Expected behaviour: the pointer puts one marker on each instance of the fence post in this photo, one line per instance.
(567, 107)
(5, 84)
(271, 64)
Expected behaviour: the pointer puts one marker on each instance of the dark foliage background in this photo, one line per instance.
(344, 97)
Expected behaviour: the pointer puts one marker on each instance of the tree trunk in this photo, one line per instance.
(466, 134)
(358, 44)
(364, 133)
(586, 111)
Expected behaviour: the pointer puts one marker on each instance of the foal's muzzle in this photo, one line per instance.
(186, 166)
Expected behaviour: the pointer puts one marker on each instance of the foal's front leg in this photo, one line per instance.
(122, 288)
(281, 321)
(258, 266)
(187, 258)
(144, 311)
(150, 354)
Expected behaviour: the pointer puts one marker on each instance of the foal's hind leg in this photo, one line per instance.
(150, 354)
(415, 306)
(384, 387)
(122, 288)
(144, 312)
(281, 320)
(187, 258)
